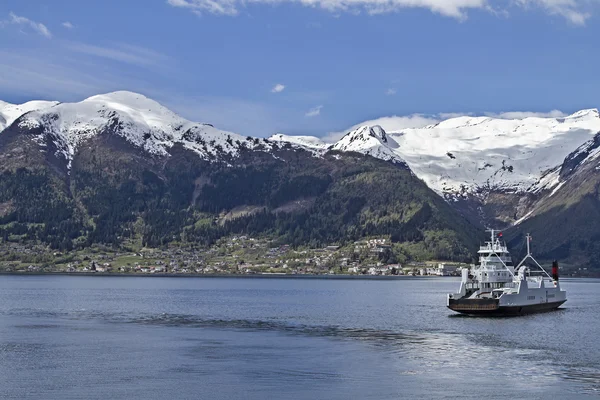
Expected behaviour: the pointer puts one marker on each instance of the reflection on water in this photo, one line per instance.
(65, 337)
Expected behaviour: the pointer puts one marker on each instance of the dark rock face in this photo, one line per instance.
(573, 160)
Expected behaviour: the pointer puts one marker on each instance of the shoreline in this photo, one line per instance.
(239, 276)
(250, 276)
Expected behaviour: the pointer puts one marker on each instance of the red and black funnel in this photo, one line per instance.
(555, 270)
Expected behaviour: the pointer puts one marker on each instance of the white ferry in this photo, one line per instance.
(495, 287)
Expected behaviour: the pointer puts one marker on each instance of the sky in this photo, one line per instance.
(310, 67)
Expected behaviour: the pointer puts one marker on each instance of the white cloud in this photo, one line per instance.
(527, 114)
(390, 92)
(221, 7)
(572, 10)
(278, 88)
(313, 112)
(389, 124)
(399, 123)
(68, 25)
(36, 26)
(444, 116)
(451, 8)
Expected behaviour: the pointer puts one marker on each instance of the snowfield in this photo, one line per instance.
(466, 155)
(458, 156)
(310, 143)
(509, 154)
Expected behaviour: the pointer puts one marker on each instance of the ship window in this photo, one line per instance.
(530, 297)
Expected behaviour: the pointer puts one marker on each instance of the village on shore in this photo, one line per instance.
(237, 255)
(240, 255)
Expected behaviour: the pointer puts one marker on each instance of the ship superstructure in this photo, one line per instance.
(496, 287)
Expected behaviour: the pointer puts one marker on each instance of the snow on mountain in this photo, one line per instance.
(310, 143)
(455, 156)
(139, 120)
(370, 140)
(467, 153)
(10, 112)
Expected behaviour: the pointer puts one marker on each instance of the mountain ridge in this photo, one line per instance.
(506, 173)
(118, 168)
(455, 157)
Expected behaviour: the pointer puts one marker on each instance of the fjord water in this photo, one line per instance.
(64, 337)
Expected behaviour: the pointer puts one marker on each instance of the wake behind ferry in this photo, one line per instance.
(495, 287)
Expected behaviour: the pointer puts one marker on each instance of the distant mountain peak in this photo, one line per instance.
(139, 120)
(10, 112)
(365, 131)
(307, 142)
(587, 113)
(369, 140)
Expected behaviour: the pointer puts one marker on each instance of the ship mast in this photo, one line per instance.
(528, 236)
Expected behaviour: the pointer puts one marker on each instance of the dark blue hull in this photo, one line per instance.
(491, 307)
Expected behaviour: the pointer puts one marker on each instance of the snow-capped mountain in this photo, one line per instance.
(120, 167)
(123, 148)
(10, 112)
(472, 153)
(309, 143)
(469, 154)
(456, 157)
(139, 120)
(370, 140)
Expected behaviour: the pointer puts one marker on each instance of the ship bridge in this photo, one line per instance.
(495, 269)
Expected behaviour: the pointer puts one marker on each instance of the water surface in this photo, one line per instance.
(64, 337)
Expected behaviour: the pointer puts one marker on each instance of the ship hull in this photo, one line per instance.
(490, 307)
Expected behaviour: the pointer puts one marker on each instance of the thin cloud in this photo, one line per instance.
(68, 25)
(390, 92)
(23, 21)
(50, 77)
(219, 7)
(278, 88)
(231, 114)
(124, 53)
(313, 112)
(573, 11)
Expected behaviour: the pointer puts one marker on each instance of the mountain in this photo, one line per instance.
(468, 155)
(372, 141)
(10, 112)
(537, 175)
(565, 220)
(120, 167)
(140, 121)
(310, 143)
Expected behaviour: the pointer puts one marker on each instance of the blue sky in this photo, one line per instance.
(339, 62)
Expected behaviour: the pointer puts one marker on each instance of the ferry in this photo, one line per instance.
(495, 287)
